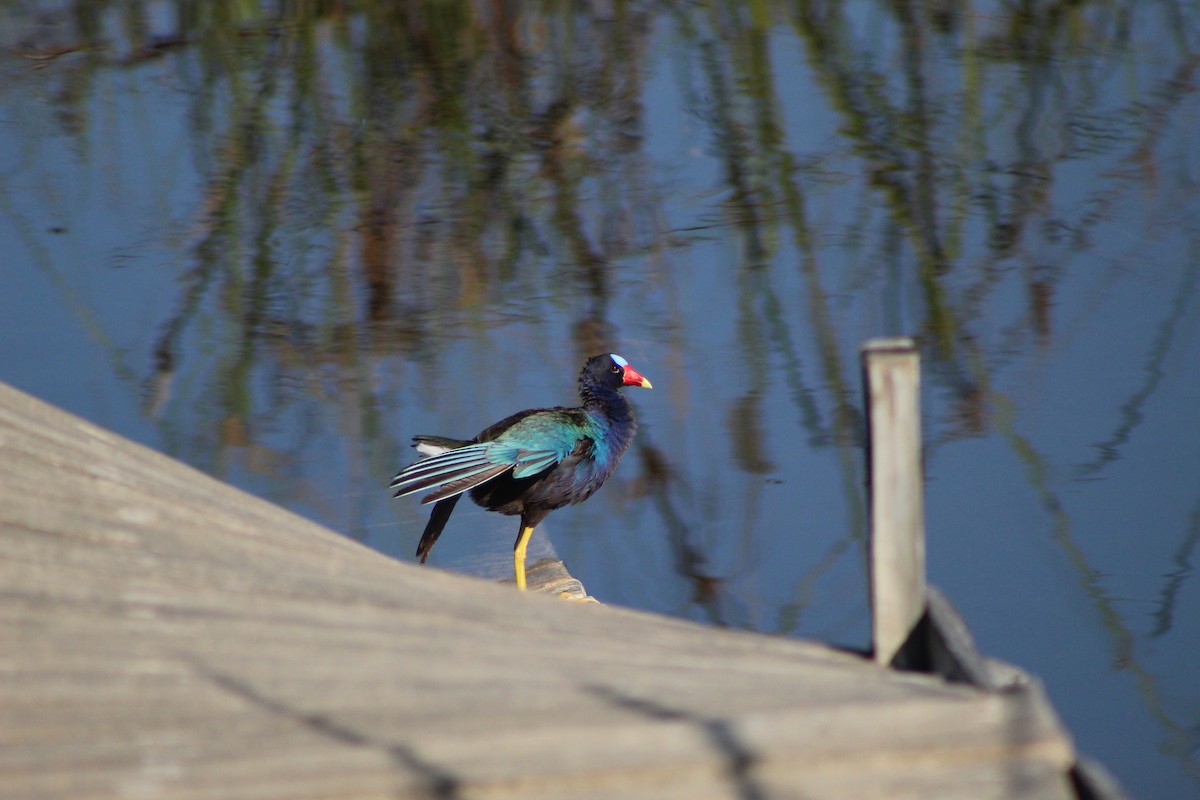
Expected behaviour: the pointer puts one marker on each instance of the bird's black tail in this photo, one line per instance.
(437, 521)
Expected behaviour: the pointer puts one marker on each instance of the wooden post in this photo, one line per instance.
(891, 374)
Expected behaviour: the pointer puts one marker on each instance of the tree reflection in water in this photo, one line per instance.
(348, 222)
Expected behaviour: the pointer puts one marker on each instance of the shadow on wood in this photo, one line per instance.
(167, 636)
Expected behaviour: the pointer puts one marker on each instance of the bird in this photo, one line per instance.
(532, 462)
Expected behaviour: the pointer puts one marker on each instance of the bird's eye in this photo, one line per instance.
(615, 370)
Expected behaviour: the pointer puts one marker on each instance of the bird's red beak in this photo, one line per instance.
(632, 378)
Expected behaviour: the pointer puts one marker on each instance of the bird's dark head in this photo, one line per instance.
(612, 371)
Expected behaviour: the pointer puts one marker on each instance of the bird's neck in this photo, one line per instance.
(607, 403)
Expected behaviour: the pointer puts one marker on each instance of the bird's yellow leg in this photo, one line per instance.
(519, 554)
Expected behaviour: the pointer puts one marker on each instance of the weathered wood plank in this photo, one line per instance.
(164, 635)
(892, 379)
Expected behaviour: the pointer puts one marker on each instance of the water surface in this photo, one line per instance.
(276, 247)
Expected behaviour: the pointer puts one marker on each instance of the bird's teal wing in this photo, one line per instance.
(532, 445)
(537, 442)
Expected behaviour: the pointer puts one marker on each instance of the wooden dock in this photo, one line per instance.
(163, 635)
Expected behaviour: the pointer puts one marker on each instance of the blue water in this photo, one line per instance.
(264, 258)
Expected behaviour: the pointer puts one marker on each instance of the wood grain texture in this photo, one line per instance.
(164, 635)
(892, 380)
